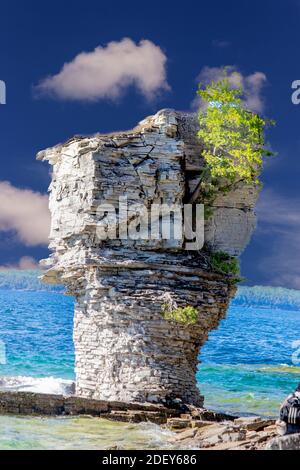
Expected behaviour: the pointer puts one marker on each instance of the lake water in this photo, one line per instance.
(248, 365)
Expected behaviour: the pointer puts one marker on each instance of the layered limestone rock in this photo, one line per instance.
(125, 349)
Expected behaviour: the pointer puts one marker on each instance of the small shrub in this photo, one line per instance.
(225, 264)
(184, 315)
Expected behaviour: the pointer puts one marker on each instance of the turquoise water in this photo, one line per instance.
(246, 365)
(36, 328)
(22, 433)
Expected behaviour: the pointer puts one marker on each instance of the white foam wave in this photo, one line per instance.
(51, 385)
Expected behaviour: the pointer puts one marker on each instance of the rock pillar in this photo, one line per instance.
(125, 349)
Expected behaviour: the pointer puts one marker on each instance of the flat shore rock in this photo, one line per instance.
(251, 433)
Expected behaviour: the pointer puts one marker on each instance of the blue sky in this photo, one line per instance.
(37, 38)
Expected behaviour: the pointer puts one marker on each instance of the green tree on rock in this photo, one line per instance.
(233, 139)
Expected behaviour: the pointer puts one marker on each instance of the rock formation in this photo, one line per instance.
(125, 349)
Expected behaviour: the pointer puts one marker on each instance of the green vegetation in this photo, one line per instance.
(233, 138)
(184, 315)
(225, 264)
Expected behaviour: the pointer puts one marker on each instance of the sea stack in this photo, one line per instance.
(125, 348)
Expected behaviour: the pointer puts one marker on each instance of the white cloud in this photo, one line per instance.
(24, 212)
(107, 71)
(252, 84)
(279, 220)
(26, 262)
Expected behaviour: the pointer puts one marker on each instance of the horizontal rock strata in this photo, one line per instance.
(26, 403)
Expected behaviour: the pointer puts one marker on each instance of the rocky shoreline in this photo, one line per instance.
(193, 428)
(244, 433)
(249, 433)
